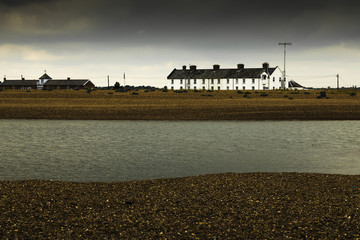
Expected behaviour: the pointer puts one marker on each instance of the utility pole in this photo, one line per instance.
(338, 77)
(124, 82)
(284, 78)
(108, 78)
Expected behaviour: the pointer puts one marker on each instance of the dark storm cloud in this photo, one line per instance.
(155, 21)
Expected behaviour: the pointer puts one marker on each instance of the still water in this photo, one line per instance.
(131, 150)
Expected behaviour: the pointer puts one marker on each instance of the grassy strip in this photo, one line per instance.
(157, 105)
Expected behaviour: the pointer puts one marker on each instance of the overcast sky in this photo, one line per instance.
(148, 39)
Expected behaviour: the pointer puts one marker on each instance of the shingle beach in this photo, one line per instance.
(218, 206)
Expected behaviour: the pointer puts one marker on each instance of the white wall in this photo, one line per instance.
(271, 82)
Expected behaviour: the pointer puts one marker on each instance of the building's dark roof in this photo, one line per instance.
(75, 82)
(292, 83)
(217, 74)
(45, 76)
(25, 83)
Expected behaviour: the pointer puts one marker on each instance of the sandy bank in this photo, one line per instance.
(222, 206)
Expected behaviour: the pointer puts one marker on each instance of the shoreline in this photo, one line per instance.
(225, 206)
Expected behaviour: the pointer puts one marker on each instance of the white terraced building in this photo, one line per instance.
(240, 78)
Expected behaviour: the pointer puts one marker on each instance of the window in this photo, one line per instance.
(212, 88)
(172, 88)
(273, 88)
(172, 81)
(181, 88)
(203, 88)
(227, 81)
(181, 82)
(194, 88)
(189, 81)
(253, 81)
(273, 79)
(218, 88)
(237, 81)
(237, 88)
(253, 88)
(212, 81)
(279, 79)
(227, 88)
(218, 81)
(194, 81)
(203, 81)
(244, 81)
(263, 77)
(243, 88)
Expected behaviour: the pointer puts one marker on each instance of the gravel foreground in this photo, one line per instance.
(218, 206)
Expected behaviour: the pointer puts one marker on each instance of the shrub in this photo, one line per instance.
(306, 93)
(285, 96)
(264, 94)
(134, 93)
(353, 94)
(247, 96)
(323, 94)
(239, 92)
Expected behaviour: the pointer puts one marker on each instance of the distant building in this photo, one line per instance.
(240, 78)
(45, 81)
(295, 86)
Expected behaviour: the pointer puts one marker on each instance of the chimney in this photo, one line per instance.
(216, 66)
(193, 67)
(68, 78)
(241, 66)
(184, 67)
(266, 66)
(23, 78)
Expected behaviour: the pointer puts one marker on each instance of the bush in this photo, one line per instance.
(110, 93)
(239, 92)
(264, 94)
(306, 93)
(353, 94)
(285, 96)
(247, 96)
(323, 94)
(134, 93)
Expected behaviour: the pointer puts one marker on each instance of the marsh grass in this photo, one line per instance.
(176, 105)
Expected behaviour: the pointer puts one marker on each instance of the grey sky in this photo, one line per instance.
(147, 39)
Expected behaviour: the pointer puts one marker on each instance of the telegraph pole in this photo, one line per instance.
(284, 78)
(337, 77)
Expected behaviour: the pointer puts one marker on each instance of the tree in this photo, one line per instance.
(117, 85)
